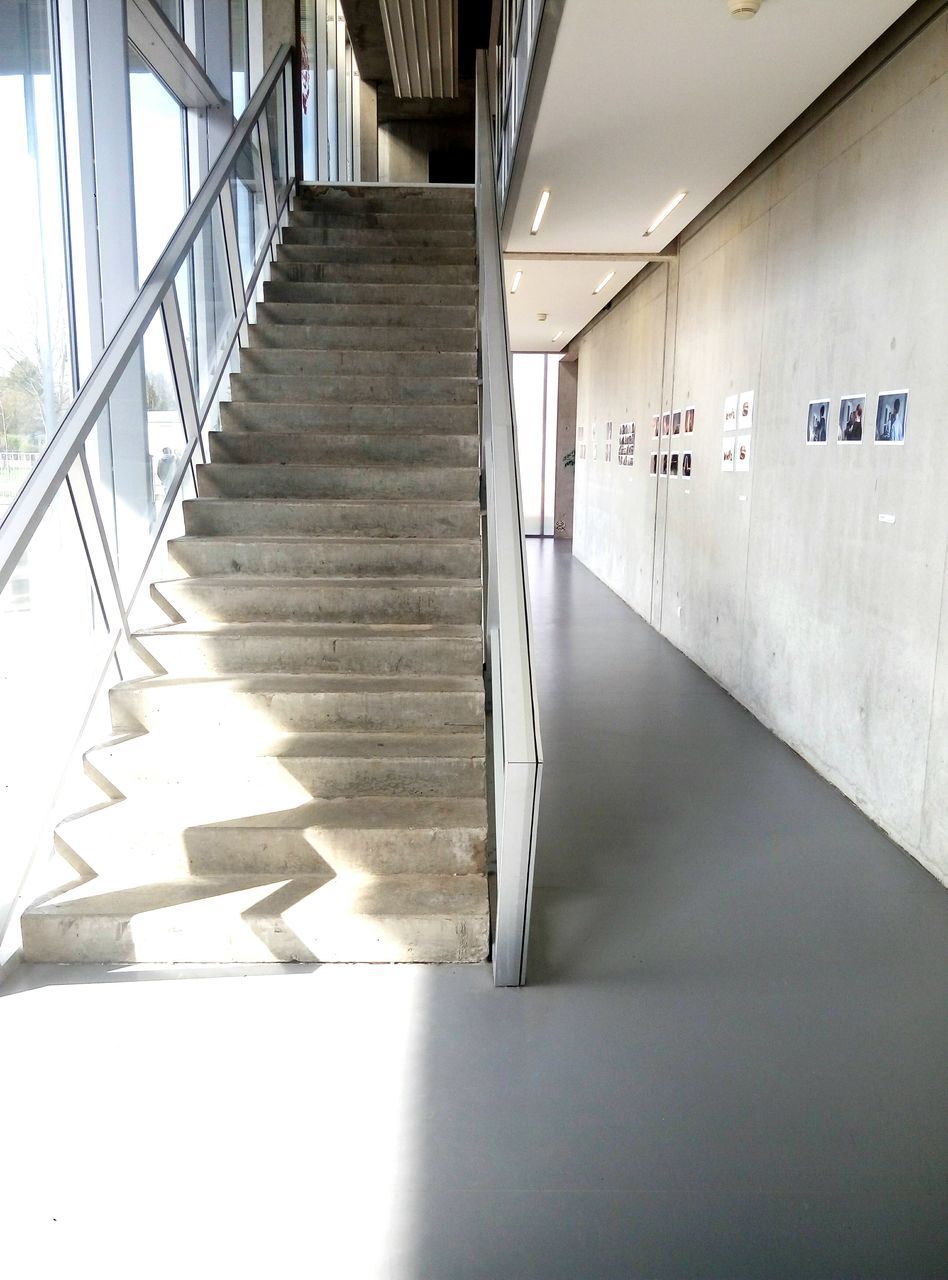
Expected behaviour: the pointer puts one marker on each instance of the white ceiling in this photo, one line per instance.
(645, 98)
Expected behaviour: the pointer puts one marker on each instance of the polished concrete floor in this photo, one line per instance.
(731, 1061)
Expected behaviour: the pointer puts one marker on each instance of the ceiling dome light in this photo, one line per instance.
(743, 8)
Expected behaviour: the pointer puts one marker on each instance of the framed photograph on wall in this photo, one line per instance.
(689, 420)
(890, 417)
(655, 421)
(607, 450)
(626, 444)
(745, 411)
(676, 423)
(727, 454)
(686, 465)
(674, 464)
(664, 464)
(852, 410)
(730, 413)
(666, 424)
(742, 453)
(817, 421)
(653, 465)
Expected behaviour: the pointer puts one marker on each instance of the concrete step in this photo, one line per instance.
(275, 328)
(311, 215)
(430, 257)
(372, 195)
(382, 389)
(400, 295)
(306, 766)
(246, 919)
(268, 480)
(296, 648)
(260, 415)
(362, 272)
(253, 709)
(242, 598)
(303, 362)
(389, 517)
(421, 238)
(287, 555)
(361, 314)
(347, 449)
(169, 832)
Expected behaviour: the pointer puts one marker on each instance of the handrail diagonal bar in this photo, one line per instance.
(40, 487)
(517, 754)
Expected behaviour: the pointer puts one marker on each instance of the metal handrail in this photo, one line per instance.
(40, 488)
(517, 751)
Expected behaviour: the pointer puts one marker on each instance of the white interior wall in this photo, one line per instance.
(826, 277)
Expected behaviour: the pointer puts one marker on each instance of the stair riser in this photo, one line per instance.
(392, 315)
(435, 195)
(452, 419)
(220, 935)
(359, 519)
(320, 777)
(301, 363)
(321, 448)
(398, 273)
(237, 602)
(396, 236)
(381, 558)
(208, 850)
(433, 258)
(246, 480)
(416, 295)
(252, 718)
(410, 220)
(352, 389)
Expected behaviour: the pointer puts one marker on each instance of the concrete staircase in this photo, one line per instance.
(303, 776)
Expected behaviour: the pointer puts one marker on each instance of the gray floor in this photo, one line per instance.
(731, 1061)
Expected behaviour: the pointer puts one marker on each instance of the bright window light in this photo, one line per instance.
(603, 282)
(518, 276)
(669, 208)
(541, 210)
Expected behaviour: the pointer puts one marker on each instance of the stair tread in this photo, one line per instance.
(328, 539)
(411, 744)
(349, 630)
(402, 895)
(308, 682)
(373, 501)
(352, 813)
(314, 580)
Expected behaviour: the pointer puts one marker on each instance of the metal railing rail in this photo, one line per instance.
(158, 292)
(517, 754)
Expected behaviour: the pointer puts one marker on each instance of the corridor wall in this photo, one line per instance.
(813, 586)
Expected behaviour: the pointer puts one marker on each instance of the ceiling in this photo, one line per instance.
(644, 99)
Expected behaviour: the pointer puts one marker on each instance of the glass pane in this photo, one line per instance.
(172, 11)
(276, 124)
(36, 368)
(51, 629)
(529, 373)
(308, 88)
(247, 185)
(203, 288)
(239, 55)
(159, 158)
(134, 454)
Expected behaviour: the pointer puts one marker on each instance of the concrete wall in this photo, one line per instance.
(403, 152)
(566, 388)
(826, 277)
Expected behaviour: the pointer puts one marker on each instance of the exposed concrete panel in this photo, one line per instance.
(824, 278)
(368, 131)
(279, 27)
(403, 155)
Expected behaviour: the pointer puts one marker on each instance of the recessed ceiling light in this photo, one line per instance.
(669, 208)
(541, 210)
(602, 283)
(518, 276)
(557, 336)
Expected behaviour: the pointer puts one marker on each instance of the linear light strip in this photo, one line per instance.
(669, 209)
(518, 276)
(541, 210)
(602, 283)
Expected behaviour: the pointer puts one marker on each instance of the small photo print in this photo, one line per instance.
(653, 465)
(851, 412)
(664, 464)
(607, 450)
(674, 465)
(655, 421)
(686, 465)
(676, 423)
(626, 444)
(727, 454)
(580, 433)
(745, 411)
(689, 420)
(742, 453)
(666, 424)
(730, 413)
(890, 417)
(817, 417)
